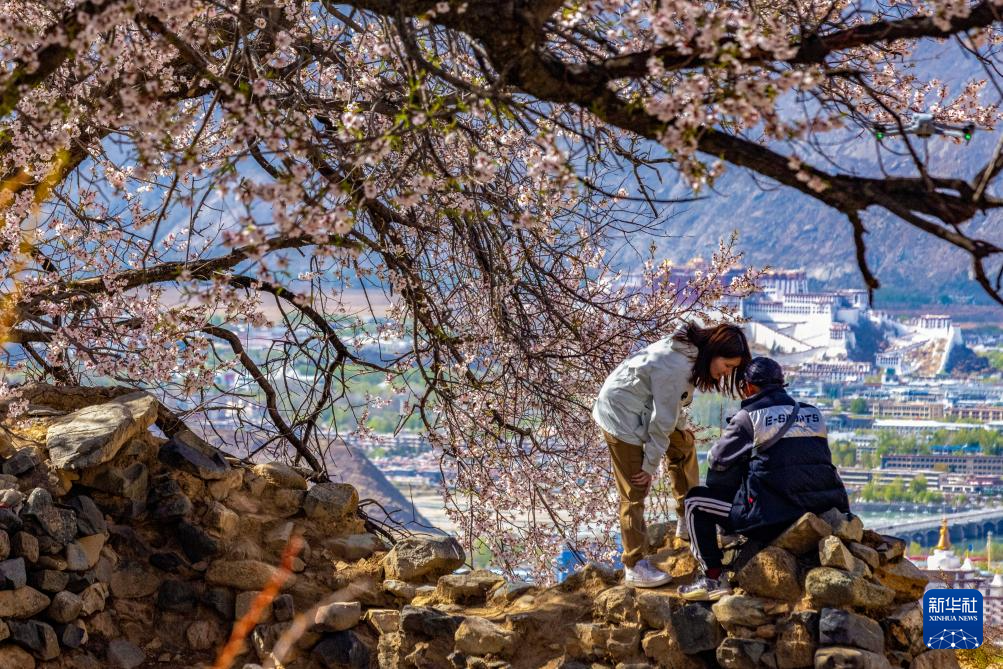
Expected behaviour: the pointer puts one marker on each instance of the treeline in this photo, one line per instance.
(915, 492)
(845, 454)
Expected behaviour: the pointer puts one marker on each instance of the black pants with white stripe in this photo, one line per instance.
(707, 508)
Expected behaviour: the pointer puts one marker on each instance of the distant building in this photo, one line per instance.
(973, 465)
(954, 449)
(786, 318)
(933, 323)
(835, 371)
(843, 421)
(916, 426)
(856, 477)
(978, 485)
(864, 445)
(981, 412)
(893, 409)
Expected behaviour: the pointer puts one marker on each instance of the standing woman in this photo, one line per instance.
(639, 410)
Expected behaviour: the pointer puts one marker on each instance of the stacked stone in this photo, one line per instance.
(56, 566)
(826, 594)
(121, 549)
(53, 572)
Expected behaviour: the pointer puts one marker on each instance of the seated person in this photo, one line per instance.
(771, 465)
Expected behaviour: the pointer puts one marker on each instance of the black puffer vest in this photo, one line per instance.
(793, 476)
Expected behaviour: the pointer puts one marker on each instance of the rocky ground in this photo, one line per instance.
(828, 594)
(122, 549)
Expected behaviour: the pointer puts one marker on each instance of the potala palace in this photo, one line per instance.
(834, 335)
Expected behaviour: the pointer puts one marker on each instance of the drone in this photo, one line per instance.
(923, 125)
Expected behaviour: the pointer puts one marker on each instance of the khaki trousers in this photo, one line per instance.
(682, 466)
(627, 459)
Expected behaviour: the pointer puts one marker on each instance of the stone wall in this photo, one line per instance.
(122, 549)
(827, 594)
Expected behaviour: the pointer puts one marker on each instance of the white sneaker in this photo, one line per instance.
(643, 575)
(682, 532)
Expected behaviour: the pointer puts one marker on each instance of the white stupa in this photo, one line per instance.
(943, 558)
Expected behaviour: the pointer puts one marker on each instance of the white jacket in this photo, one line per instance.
(641, 401)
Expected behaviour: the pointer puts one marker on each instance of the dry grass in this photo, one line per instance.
(987, 656)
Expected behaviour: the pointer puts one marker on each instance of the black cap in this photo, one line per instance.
(764, 372)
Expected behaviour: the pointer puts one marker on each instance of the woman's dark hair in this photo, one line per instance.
(726, 341)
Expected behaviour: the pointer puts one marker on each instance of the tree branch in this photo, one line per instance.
(271, 397)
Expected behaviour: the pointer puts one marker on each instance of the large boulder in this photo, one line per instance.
(617, 605)
(192, 454)
(846, 526)
(904, 578)
(281, 475)
(356, 546)
(65, 607)
(656, 607)
(22, 603)
(331, 502)
(338, 616)
(60, 524)
(383, 621)
(240, 574)
(400, 589)
(427, 622)
(797, 640)
(736, 653)
(423, 558)
(131, 482)
(936, 659)
(836, 588)
(342, 650)
(479, 636)
(904, 629)
(773, 572)
(843, 628)
(93, 435)
(619, 642)
(509, 591)
(697, 628)
(15, 657)
(888, 548)
(36, 636)
(663, 648)
(832, 552)
(22, 462)
(123, 654)
(868, 555)
(840, 657)
(741, 610)
(65, 399)
(471, 587)
(803, 536)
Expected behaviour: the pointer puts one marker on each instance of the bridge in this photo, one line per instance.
(963, 527)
